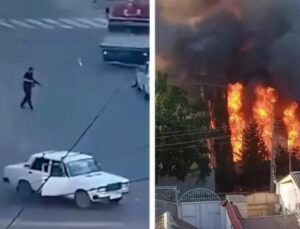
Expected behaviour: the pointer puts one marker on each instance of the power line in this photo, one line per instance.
(117, 91)
(191, 147)
(195, 141)
(193, 133)
(192, 130)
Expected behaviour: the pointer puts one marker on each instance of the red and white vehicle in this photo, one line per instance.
(130, 14)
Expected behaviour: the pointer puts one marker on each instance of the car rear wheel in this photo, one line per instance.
(24, 189)
(116, 201)
(82, 199)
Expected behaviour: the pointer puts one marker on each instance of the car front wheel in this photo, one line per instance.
(82, 199)
(24, 189)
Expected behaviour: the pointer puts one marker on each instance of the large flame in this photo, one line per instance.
(292, 125)
(263, 112)
(236, 118)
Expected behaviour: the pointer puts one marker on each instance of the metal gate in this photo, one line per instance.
(201, 208)
(166, 200)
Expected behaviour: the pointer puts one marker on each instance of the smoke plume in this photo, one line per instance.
(245, 40)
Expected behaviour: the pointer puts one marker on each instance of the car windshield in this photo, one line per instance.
(82, 167)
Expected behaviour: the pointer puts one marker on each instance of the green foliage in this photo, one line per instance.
(178, 152)
(225, 173)
(255, 164)
(283, 161)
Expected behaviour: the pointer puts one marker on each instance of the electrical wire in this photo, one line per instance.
(195, 141)
(191, 130)
(208, 131)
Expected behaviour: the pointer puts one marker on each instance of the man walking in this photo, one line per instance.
(28, 83)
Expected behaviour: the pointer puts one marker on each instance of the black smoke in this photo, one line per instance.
(263, 45)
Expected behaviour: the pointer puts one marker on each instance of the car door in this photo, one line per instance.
(35, 175)
(58, 181)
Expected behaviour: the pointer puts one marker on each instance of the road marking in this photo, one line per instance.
(53, 22)
(74, 23)
(22, 24)
(89, 22)
(101, 21)
(2, 23)
(41, 24)
(59, 225)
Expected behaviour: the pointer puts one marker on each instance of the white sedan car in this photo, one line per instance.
(77, 177)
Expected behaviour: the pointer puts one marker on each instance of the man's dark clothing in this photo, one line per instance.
(28, 83)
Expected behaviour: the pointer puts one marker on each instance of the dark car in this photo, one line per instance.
(125, 49)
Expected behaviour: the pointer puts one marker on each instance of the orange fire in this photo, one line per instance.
(292, 125)
(263, 111)
(236, 118)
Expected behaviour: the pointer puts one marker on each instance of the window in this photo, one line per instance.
(83, 167)
(57, 170)
(38, 162)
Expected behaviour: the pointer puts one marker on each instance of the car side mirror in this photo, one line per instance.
(27, 166)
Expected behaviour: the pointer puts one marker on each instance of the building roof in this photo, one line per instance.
(58, 155)
(296, 178)
(272, 222)
(233, 214)
(126, 40)
(293, 176)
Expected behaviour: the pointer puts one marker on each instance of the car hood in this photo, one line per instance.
(100, 179)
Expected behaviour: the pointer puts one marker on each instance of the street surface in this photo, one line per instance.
(76, 83)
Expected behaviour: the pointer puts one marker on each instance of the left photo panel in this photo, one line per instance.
(74, 117)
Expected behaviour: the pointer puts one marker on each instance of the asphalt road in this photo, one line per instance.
(71, 95)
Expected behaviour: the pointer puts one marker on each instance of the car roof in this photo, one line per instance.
(58, 155)
(126, 40)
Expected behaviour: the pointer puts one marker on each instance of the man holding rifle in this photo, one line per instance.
(28, 83)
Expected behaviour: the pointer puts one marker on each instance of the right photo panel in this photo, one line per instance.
(227, 117)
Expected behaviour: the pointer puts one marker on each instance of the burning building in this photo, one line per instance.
(251, 49)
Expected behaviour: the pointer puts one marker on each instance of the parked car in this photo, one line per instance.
(125, 49)
(78, 177)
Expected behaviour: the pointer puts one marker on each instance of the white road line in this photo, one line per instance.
(4, 24)
(89, 22)
(41, 24)
(101, 21)
(74, 23)
(22, 24)
(59, 225)
(53, 22)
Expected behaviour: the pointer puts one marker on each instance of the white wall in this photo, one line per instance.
(289, 197)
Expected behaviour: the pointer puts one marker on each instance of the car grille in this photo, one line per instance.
(113, 187)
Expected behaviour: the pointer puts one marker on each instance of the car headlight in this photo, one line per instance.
(104, 52)
(125, 185)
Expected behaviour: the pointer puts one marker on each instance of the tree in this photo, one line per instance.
(225, 173)
(283, 162)
(254, 163)
(178, 151)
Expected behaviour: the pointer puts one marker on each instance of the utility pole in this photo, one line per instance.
(273, 155)
(290, 162)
